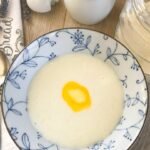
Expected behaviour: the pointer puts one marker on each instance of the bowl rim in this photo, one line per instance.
(90, 30)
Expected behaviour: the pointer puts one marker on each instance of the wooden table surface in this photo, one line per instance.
(39, 24)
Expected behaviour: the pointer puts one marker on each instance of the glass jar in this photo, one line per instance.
(133, 30)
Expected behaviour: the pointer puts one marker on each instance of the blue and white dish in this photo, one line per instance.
(55, 44)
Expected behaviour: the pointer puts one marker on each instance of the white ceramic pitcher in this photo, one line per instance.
(89, 11)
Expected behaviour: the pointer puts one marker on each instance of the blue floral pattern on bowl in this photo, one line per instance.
(58, 43)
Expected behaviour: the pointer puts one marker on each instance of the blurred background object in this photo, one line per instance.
(134, 30)
(26, 11)
(3, 7)
(89, 12)
(39, 6)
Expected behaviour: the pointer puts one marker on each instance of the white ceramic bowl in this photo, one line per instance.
(61, 42)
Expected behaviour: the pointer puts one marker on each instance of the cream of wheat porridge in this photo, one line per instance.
(75, 100)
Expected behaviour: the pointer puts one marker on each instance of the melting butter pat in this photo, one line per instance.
(76, 96)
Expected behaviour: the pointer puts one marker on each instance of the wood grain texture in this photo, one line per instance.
(58, 18)
(39, 24)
